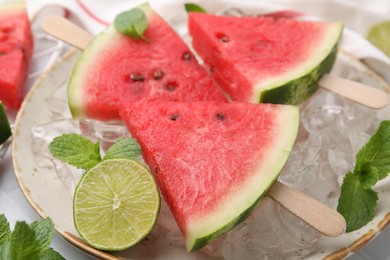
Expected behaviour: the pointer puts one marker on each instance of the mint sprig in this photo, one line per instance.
(82, 153)
(132, 23)
(124, 148)
(75, 150)
(27, 241)
(191, 7)
(358, 201)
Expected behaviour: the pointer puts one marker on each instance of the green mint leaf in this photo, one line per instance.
(356, 204)
(191, 7)
(75, 150)
(376, 152)
(369, 175)
(124, 148)
(5, 230)
(132, 23)
(44, 231)
(23, 243)
(50, 254)
(5, 250)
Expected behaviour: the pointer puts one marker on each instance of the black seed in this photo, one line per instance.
(155, 169)
(186, 56)
(220, 116)
(173, 117)
(137, 77)
(158, 74)
(213, 68)
(224, 39)
(171, 86)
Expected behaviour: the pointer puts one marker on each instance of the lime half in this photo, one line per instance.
(116, 204)
(379, 35)
(5, 129)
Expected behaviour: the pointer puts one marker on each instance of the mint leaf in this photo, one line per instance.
(24, 245)
(356, 204)
(124, 148)
(191, 7)
(5, 250)
(132, 23)
(369, 175)
(376, 152)
(75, 150)
(44, 231)
(50, 254)
(5, 230)
(27, 241)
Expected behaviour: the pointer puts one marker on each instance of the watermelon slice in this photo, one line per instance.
(213, 161)
(16, 46)
(116, 68)
(262, 59)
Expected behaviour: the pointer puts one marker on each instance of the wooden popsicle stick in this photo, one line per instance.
(371, 97)
(322, 218)
(319, 216)
(67, 31)
(355, 91)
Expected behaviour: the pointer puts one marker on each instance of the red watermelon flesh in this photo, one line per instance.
(212, 161)
(115, 68)
(263, 59)
(16, 46)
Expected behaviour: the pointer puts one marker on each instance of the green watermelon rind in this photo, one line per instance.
(203, 241)
(196, 240)
(5, 129)
(298, 90)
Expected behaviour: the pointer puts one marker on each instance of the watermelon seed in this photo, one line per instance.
(186, 55)
(222, 37)
(213, 68)
(155, 169)
(220, 116)
(171, 86)
(173, 117)
(158, 74)
(137, 77)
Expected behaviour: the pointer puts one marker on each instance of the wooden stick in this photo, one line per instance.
(67, 31)
(322, 218)
(355, 91)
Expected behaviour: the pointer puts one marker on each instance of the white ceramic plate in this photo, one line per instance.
(50, 194)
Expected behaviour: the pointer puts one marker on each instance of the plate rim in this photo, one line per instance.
(341, 253)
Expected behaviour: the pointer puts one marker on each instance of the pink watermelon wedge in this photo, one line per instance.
(16, 45)
(116, 68)
(262, 59)
(213, 161)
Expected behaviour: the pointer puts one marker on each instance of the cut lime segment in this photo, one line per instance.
(116, 204)
(379, 35)
(5, 129)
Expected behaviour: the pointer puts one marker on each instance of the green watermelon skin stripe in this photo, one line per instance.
(265, 60)
(299, 90)
(203, 241)
(213, 162)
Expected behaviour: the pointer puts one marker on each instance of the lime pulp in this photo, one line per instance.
(379, 35)
(116, 204)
